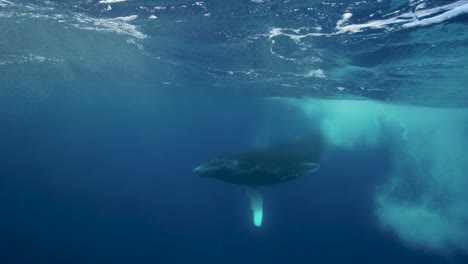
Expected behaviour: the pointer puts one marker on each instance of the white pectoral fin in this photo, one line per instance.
(256, 204)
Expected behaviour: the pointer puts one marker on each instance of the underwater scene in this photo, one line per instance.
(233, 131)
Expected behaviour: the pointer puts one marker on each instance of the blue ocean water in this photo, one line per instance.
(107, 106)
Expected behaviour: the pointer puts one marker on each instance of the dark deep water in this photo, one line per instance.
(107, 106)
(110, 181)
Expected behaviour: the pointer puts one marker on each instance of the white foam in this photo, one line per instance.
(126, 18)
(27, 59)
(410, 19)
(296, 37)
(317, 73)
(376, 24)
(111, 1)
(424, 202)
(5, 3)
(134, 43)
(118, 25)
(346, 17)
(460, 10)
(420, 17)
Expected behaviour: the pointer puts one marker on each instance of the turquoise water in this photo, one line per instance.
(107, 106)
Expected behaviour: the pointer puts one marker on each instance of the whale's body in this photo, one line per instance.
(280, 163)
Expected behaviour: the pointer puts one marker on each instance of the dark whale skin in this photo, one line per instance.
(297, 157)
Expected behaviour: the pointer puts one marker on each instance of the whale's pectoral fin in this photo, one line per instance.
(256, 204)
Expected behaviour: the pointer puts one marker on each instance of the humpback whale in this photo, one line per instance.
(272, 165)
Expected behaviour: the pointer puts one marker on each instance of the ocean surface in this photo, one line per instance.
(107, 106)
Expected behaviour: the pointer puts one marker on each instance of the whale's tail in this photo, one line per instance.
(256, 204)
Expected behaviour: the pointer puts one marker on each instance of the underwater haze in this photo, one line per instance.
(107, 106)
